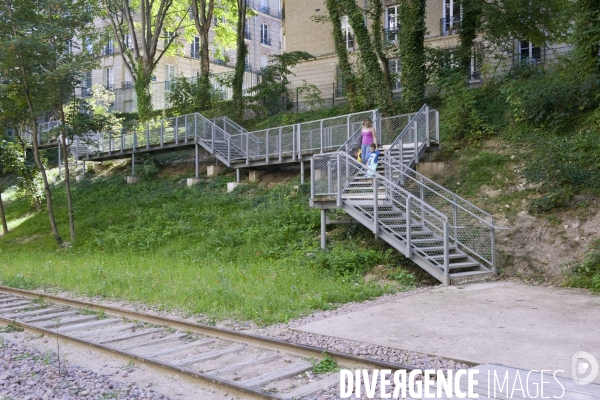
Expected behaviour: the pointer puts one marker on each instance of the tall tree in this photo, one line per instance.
(586, 34)
(470, 25)
(240, 62)
(411, 47)
(202, 11)
(339, 41)
(374, 79)
(145, 31)
(376, 33)
(35, 37)
(11, 160)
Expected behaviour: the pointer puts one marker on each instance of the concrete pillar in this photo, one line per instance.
(254, 174)
(237, 175)
(133, 164)
(192, 181)
(132, 179)
(214, 170)
(231, 186)
(302, 172)
(323, 229)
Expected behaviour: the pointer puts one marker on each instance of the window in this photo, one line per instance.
(86, 90)
(474, 73)
(264, 34)
(169, 76)
(348, 34)
(264, 61)
(195, 47)
(264, 6)
(450, 22)
(109, 48)
(394, 68)
(247, 34)
(169, 36)
(247, 62)
(89, 46)
(127, 81)
(528, 53)
(109, 78)
(391, 25)
(128, 41)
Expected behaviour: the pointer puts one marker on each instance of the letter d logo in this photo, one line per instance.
(585, 368)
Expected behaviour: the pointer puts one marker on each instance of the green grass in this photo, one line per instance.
(251, 254)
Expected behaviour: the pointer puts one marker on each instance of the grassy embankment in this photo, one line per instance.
(252, 254)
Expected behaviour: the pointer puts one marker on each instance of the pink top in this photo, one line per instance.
(367, 137)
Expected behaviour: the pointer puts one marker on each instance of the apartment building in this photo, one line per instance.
(263, 37)
(442, 20)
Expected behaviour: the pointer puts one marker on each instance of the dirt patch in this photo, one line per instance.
(545, 248)
(28, 239)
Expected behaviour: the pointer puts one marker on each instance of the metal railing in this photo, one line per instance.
(390, 35)
(381, 205)
(417, 135)
(449, 26)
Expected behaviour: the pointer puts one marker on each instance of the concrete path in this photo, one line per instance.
(506, 323)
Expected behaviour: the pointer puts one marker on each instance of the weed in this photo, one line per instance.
(327, 364)
(587, 273)
(10, 328)
(403, 277)
(100, 314)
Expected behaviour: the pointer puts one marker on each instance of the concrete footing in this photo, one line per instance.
(430, 169)
(132, 179)
(79, 178)
(214, 170)
(192, 181)
(231, 186)
(254, 174)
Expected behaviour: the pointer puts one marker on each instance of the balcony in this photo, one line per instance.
(247, 35)
(108, 50)
(195, 53)
(109, 86)
(449, 26)
(265, 40)
(126, 85)
(264, 9)
(390, 35)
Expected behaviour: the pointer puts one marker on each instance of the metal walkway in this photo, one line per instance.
(447, 236)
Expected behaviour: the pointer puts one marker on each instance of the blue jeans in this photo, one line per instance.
(365, 151)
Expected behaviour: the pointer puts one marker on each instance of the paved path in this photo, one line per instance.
(506, 323)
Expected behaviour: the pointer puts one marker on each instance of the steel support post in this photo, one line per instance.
(375, 206)
(197, 148)
(302, 172)
(408, 228)
(446, 253)
(338, 200)
(323, 229)
(237, 175)
(493, 228)
(133, 164)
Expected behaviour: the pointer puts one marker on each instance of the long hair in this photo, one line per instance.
(367, 123)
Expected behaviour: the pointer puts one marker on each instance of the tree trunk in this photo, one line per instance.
(203, 15)
(42, 169)
(65, 152)
(142, 91)
(469, 26)
(411, 46)
(375, 81)
(342, 53)
(3, 217)
(377, 31)
(240, 63)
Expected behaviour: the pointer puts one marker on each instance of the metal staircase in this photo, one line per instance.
(447, 236)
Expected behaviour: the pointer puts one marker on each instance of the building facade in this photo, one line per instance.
(263, 37)
(302, 32)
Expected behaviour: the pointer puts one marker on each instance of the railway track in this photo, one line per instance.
(250, 365)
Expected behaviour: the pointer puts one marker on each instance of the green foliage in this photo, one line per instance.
(268, 93)
(10, 328)
(411, 50)
(249, 254)
(348, 261)
(587, 273)
(188, 95)
(327, 364)
(311, 96)
(558, 197)
(403, 277)
(586, 34)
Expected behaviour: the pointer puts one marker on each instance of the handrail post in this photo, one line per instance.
(123, 140)
(416, 141)
(321, 136)
(422, 193)
(348, 127)
(375, 206)
(109, 142)
(408, 227)
(280, 145)
(338, 199)
(176, 131)
(147, 137)
(134, 140)
(455, 219)
(247, 149)
(293, 142)
(446, 254)
(299, 141)
(229, 151)
(437, 126)
(162, 133)
(267, 147)
(427, 124)
(493, 228)
(212, 138)
(186, 128)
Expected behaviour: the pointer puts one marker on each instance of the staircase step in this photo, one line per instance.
(440, 248)
(450, 256)
(468, 264)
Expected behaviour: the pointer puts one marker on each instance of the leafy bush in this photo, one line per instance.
(587, 274)
(345, 261)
